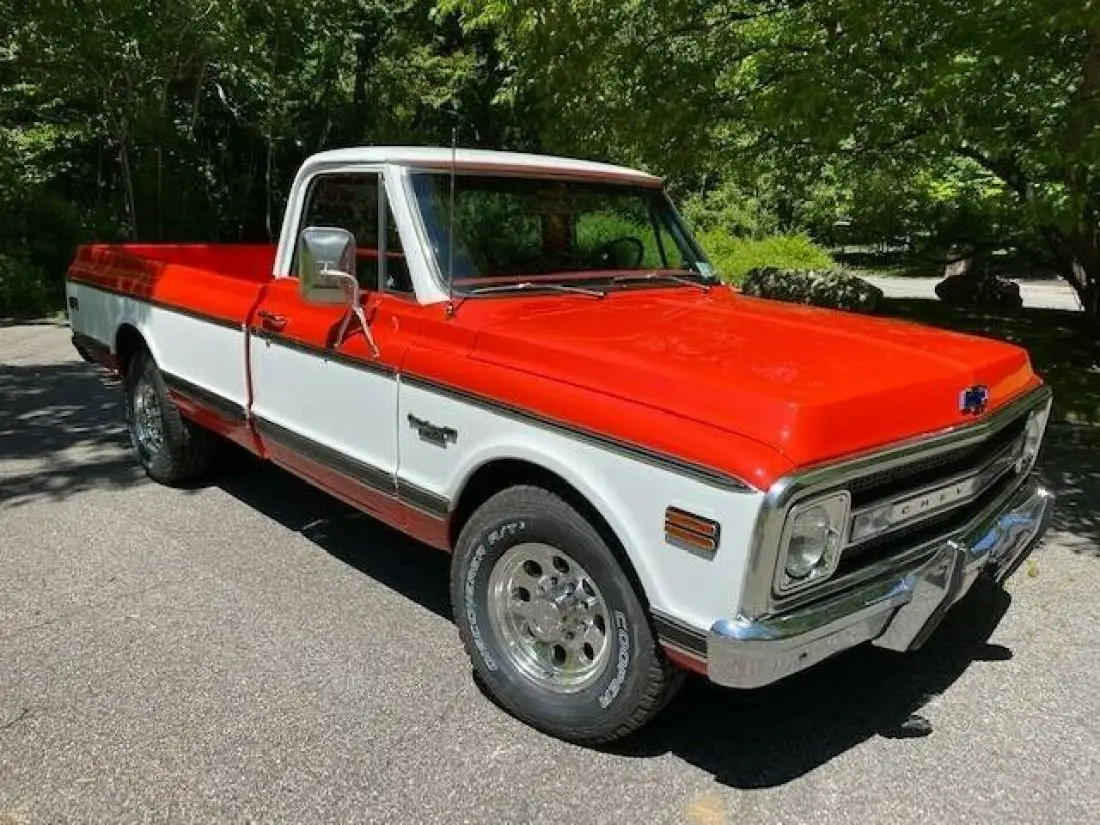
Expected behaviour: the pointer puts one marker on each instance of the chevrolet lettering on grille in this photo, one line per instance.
(933, 500)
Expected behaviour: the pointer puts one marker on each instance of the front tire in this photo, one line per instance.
(552, 624)
(172, 450)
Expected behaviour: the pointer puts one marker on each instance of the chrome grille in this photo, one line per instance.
(911, 535)
(926, 471)
(929, 496)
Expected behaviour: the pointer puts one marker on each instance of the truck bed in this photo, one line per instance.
(247, 262)
(217, 281)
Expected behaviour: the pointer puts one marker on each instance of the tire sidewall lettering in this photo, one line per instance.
(470, 582)
(622, 661)
(633, 682)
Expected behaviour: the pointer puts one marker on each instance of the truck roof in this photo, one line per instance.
(431, 157)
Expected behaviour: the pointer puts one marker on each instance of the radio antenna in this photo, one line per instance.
(451, 229)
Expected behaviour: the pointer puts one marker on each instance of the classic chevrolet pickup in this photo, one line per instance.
(528, 362)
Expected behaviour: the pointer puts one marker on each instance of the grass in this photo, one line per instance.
(1061, 352)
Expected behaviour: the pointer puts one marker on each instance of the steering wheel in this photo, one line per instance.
(616, 253)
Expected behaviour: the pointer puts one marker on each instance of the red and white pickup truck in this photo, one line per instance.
(527, 361)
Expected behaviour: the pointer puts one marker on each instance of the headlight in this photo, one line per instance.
(812, 542)
(1033, 438)
(811, 532)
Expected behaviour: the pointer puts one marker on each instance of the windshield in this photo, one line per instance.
(527, 232)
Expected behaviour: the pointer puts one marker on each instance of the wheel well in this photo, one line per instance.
(128, 343)
(491, 478)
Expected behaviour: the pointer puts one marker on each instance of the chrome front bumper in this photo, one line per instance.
(897, 613)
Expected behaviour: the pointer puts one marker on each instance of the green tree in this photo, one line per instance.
(187, 119)
(1003, 95)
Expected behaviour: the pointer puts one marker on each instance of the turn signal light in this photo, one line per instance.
(691, 532)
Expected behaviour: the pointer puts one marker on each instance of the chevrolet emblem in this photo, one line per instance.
(973, 400)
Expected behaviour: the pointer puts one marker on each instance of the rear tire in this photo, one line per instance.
(551, 622)
(172, 450)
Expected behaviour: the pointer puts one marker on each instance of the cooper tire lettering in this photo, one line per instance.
(476, 634)
(622, 662)
(471, 611)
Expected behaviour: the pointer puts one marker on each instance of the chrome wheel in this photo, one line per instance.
(148, 418)
(551, 619)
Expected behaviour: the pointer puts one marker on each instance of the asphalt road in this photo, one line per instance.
(254, 651)
(1052, 294)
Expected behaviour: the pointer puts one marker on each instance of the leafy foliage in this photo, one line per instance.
(930, 122)
(24, 289)
(187, 119)
(734, 257)
(927, 125)
(832, 289)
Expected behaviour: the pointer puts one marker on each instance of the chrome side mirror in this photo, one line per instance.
(326, 266)
(326, 276)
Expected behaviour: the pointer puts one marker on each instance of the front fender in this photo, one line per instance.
(631, 494)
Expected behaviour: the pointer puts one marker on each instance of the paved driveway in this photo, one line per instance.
(252, 650)
(1055, 294)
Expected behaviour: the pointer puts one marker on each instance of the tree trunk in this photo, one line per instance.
(269, 161)
(128, 186)
(160, 194)
(1086, 272)
(1090, 299)
(1081, 258)
(1078, 258)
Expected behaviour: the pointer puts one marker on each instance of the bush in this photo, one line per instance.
(829, 288)
(42, 228)
(25, 291)
(731, 209)
(980, 291)
(734, 258)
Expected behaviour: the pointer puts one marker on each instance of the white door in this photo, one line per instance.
(333, 405)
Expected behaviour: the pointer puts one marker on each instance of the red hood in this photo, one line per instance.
(814, 384)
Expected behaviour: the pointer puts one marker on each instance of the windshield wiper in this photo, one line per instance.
(526, 285)
(660, 276)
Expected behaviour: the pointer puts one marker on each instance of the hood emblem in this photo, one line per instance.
(973, 400)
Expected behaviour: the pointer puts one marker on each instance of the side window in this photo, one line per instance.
(352, 202)
(349, 202)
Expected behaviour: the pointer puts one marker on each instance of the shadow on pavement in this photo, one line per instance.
(767, 737)
(66, 422)
(408, 567)
(1072, 471)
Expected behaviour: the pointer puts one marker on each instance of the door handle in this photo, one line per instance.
(272, 320)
